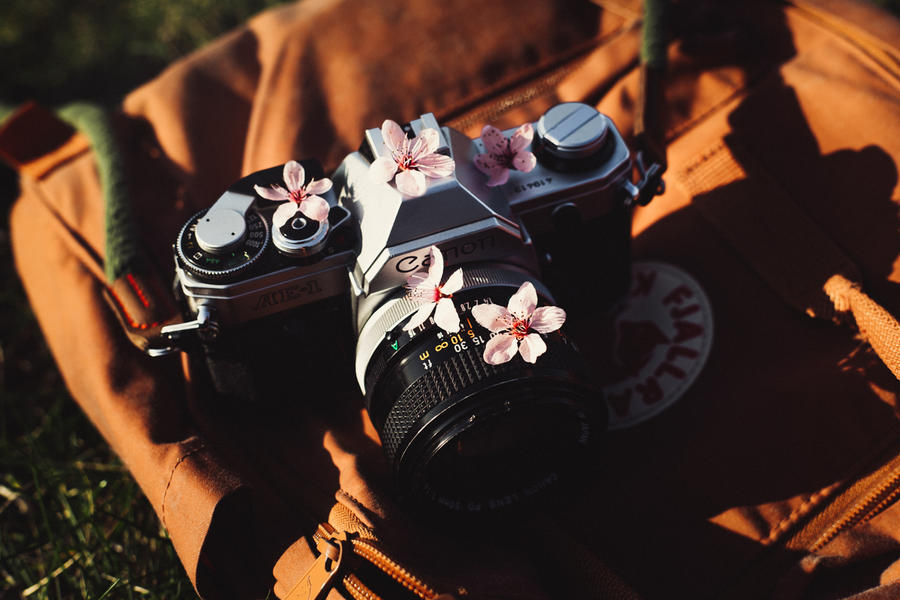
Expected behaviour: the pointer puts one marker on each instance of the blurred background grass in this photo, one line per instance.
(73, 523)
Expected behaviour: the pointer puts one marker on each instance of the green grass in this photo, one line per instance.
(56, 51)
(73, 522)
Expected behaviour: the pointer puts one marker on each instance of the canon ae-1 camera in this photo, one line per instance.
(334, 287)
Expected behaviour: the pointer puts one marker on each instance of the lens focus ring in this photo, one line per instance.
(369, 364)
(452, 377)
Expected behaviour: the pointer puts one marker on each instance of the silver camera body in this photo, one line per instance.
(467, 220)
(462, 431)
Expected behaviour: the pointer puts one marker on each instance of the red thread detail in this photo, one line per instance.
(134, 324)
(137, 289)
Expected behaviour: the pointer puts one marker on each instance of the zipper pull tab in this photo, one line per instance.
(321, 576)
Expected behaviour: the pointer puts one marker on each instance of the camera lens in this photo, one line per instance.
(465, 434)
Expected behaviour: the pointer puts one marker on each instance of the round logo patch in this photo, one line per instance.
(662, 337)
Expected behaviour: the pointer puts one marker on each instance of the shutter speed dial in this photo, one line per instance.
(217, 244)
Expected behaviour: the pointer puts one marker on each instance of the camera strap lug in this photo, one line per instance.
(649, 185)
(182, 335)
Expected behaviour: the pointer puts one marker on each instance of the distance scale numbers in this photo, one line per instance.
(452, 343)
(432, 346)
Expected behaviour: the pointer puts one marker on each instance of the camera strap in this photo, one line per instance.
(649, 126)
(140, 301)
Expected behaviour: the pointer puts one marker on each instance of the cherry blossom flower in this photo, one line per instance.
(424, 287)
(302, 198)
(410, 160)
(504, 153)
(519, 326)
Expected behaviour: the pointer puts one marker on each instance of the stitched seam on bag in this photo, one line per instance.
(487, 106)
(172, 477)
(137, 290)
(859, 39)
(131, 322)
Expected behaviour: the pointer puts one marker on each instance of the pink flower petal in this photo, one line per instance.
(425, 143)
(522, 303)
(382, 169)
(294, 175)
(524, 161)
(454, 282)
(417, 280)
(494, 140)
(417, 148)
(521, 138)
(498, 177)
(411, 183)
(486, 164)
(548, 318)
(318, 187)
(316, 208)
(492, 317)
(420, 316)
(531, 347)
(445, 316)
(435, 268)
(436, 165)
(500, 349)
(393, 135)
(283, 214)
(275, 193)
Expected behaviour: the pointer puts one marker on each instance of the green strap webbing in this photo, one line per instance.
(122, 248)
(123, 251)
(653, 34)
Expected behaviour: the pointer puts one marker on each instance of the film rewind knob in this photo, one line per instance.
(572, 130)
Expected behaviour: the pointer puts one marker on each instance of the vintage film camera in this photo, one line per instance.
(293, 313)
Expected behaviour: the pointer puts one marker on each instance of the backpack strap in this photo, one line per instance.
(36, 141)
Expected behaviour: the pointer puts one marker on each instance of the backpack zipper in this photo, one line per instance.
(882, 494)
(369, 552)
(333, 562)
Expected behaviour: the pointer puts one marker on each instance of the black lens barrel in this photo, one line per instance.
(483, 417)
